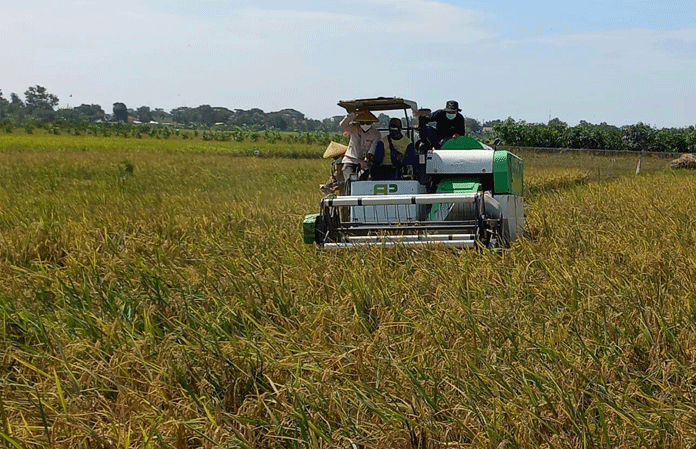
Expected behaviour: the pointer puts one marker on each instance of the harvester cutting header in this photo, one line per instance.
(414, 189)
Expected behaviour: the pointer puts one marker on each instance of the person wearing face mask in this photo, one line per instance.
(449, 123)
(363, 140)
(393, 151)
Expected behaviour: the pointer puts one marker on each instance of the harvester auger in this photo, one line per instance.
(464, 194)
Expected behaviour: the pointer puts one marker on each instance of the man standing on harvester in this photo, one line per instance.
(449, 124)
(363, 140)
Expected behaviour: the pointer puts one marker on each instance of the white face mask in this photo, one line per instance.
(451, 116)
(366, 126)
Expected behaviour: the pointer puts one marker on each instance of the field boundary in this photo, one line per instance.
(596, 152)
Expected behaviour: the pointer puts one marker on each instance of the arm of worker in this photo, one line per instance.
(410, 158)
(379, 152)
(347, 120)
(460, 128)
(374, 138)
(426, 121)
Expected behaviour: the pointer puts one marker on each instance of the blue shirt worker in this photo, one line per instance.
(449, 124)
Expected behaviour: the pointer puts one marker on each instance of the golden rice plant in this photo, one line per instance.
(540, 180)
(154, 298)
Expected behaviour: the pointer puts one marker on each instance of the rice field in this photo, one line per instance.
(158, 294)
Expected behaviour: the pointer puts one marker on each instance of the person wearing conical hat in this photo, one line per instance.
(363, 140)
(335, 185)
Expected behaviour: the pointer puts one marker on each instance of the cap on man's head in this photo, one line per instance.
(395, 122)
(452, 106)
(365, 117)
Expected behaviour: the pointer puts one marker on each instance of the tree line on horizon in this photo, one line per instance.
(557, 134)
(40, 106)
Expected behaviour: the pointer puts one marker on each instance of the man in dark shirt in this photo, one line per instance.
(449, 123)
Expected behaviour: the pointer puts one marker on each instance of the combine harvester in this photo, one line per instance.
(465, 194)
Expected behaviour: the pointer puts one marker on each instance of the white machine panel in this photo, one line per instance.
(459, 162)
(385, 213)
(513, 215)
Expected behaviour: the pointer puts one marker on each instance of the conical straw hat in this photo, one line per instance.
(365, 117)
(335, 149)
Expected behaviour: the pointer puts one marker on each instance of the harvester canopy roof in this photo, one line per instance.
(378, 104)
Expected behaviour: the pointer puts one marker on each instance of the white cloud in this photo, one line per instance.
(433, 21)
(621, 76)
(307, 55)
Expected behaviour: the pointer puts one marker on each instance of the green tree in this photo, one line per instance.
(144, 114)
(512, 132)
(331, 124)
(473, 126)
(254, 117)
(16, 101)
(220, 115)
(383, 122)
(691, 138)
(15, 106)
(160, 114)
(279, 122)
(205, 115)
(673, 140)
(4, 105)
(120, 112)
(639, 137)
(611, 136)
(37, 97)
(182, 114)
(585, 135)
(90, 112)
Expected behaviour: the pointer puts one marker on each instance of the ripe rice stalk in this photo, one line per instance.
(181, 308)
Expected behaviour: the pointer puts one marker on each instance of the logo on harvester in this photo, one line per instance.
(385, 189)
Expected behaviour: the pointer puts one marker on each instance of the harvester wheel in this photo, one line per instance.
(320, 230)
(496, 239)
(326, 225)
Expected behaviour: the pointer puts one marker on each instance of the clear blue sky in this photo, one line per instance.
(618, 62)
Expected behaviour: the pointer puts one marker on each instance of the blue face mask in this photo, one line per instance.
(366, 126)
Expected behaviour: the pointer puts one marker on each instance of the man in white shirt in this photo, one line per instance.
(363, 140)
